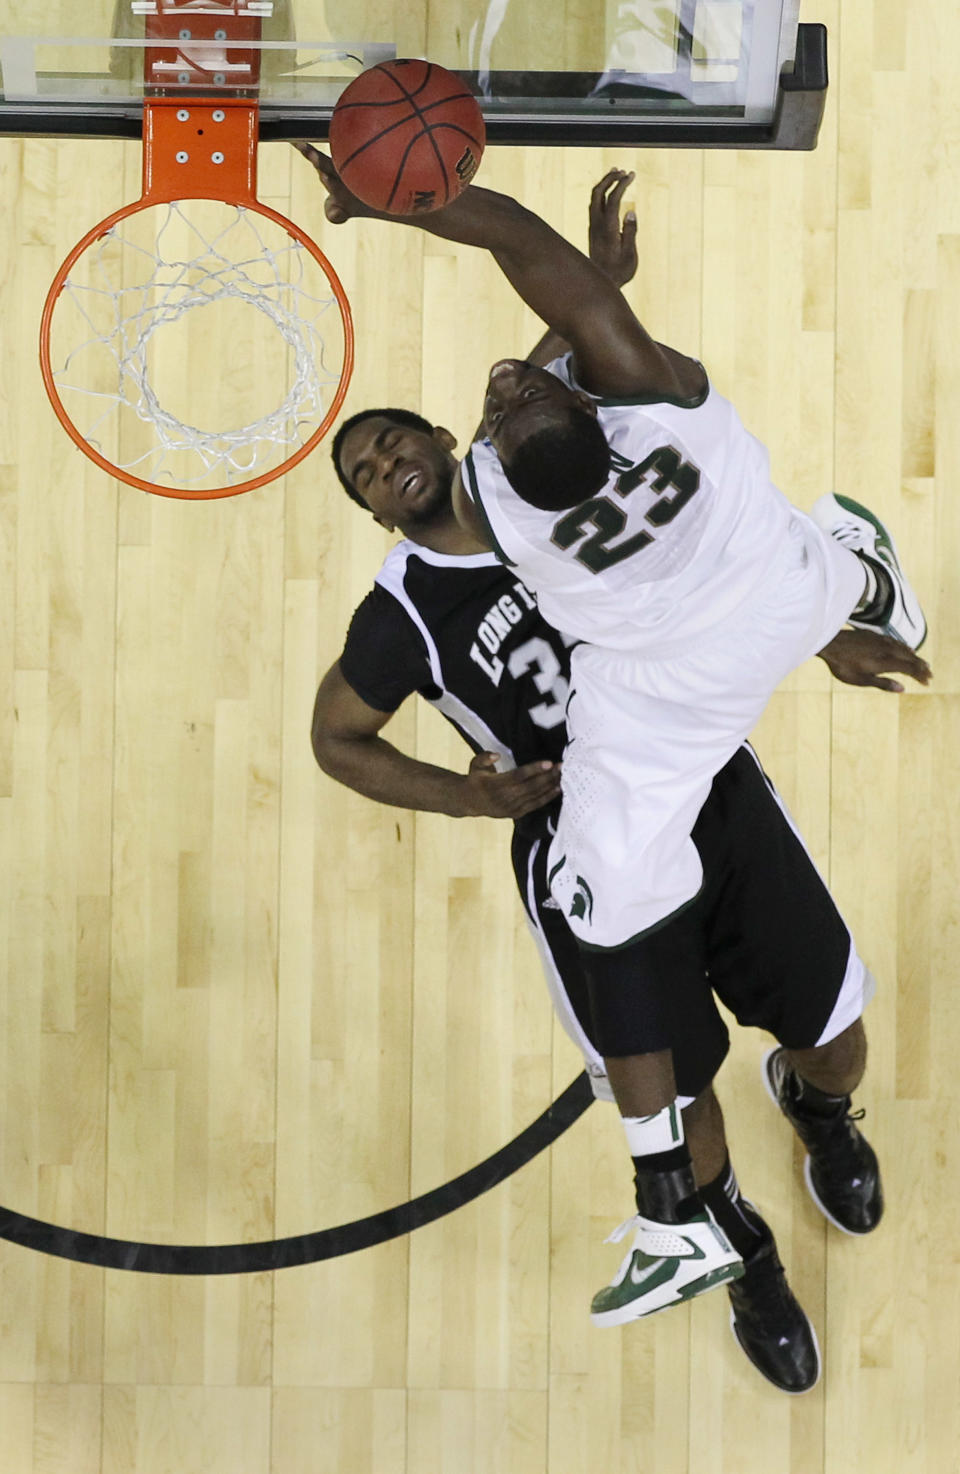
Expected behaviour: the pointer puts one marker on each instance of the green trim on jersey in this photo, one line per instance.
(613, 402)
(647, 932)
(478, 503)
(694, 402)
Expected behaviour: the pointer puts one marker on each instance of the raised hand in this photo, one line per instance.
(858, 657)
(613, 246)
(340, 204)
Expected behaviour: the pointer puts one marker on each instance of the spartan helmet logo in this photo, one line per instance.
(581, 907)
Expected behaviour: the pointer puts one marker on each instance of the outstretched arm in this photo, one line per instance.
(347, 745)
(613, 353)
(613, 248)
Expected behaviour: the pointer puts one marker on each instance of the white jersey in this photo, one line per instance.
(683, 537)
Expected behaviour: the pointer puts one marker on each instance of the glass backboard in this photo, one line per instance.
(701, 73)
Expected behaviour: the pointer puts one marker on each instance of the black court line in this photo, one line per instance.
(306, 1248)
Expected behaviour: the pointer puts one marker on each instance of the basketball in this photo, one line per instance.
(407, 137)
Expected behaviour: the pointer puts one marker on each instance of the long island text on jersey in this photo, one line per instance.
(467, 635)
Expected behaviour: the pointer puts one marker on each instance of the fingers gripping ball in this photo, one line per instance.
(407, 137)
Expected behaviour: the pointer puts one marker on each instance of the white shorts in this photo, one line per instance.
(646, 737)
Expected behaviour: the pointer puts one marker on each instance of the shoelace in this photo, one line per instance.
(620, 1232)
(844, 1119)
(843, 1126)
(815, 1118)
(848, 533)
(662, 1239)
(622, 1229)
(765, 1286)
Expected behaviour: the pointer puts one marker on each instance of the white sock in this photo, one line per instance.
(649, 1134)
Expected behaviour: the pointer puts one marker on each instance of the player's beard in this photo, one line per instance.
(436, 505)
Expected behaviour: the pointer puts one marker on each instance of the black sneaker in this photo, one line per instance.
(770, 1324)
(841, 1170)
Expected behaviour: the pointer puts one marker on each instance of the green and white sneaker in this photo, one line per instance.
(858, 529)
(666, 1263)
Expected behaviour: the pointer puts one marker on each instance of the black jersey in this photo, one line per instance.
(467, 635)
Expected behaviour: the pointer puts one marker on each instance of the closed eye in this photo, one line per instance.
(386, 440)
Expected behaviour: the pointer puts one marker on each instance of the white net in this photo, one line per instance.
(197, 345)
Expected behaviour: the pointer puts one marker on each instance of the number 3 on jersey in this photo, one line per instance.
(661, 470)
(537, 657)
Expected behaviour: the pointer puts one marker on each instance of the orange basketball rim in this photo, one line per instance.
(200, 148)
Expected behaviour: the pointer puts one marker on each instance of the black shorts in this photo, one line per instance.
(763, 935)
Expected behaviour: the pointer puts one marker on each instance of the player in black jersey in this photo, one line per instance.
(447, 620)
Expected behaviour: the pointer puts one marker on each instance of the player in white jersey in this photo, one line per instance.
(693, 587)
(673, 545)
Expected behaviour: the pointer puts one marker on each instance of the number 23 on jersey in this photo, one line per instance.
(662, 470)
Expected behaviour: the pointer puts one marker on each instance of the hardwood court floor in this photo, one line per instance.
(237, 1002)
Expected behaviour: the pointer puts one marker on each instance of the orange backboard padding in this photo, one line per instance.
(202, 148)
